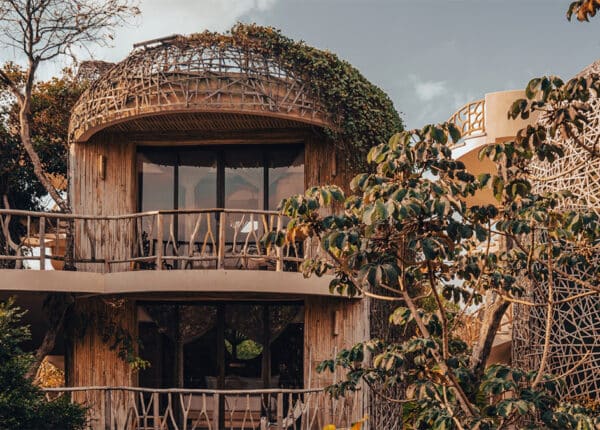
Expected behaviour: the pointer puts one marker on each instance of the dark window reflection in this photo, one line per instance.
(157, 176)
(197, 186)
(244, 179)
(233, 177)
(286, 175)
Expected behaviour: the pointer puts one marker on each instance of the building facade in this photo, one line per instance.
(179, 157)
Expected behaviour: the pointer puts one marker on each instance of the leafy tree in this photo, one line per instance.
(407, 235)
(51, 102)
(23, 405)
(51, 105)
(41, 31)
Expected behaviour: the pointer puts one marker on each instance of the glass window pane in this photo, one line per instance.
(244, 179)
(157, 170)
(197, 189)
(286, 174)
(197, 179)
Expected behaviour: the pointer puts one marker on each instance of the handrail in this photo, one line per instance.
(62, 215)
(137, 408)
(204, 238)
(470, 119)
(184, 390)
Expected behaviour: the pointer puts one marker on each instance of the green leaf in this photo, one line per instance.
(429, 248)
(498, 187)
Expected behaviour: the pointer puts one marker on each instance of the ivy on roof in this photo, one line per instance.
(363, 114)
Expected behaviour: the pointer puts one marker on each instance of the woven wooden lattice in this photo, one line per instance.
(185, 75)
(575, 337)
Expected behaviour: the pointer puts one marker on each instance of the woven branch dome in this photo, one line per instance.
(576, 324)
(206, 73)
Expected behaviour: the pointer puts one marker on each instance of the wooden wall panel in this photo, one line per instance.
(95, 363)
(330, 325)
(325, 164)
(115, 194)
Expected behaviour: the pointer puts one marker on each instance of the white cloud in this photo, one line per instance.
(165, 17)
(429, 90)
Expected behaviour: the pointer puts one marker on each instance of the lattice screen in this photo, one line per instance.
(576, 328)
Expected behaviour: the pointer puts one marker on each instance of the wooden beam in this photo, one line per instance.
(213, 137)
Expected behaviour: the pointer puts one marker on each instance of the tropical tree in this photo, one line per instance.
(23, 405)
(407, 235)
(41, 31)
(51, 103)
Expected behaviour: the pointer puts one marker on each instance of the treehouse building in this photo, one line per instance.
(179, 156)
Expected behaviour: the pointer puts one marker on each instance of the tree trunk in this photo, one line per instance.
(56, 306)
(25, 134)
(492, 318)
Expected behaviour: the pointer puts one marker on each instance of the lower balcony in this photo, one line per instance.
(128, 408)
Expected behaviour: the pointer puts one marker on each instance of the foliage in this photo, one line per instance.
(583, 9)
(363, 113)
(51, 105)
(112, 333)
(407, 230)
(44, 30)
(22, 404)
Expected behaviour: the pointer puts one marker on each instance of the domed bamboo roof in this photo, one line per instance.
(196, 75)
(251, 77)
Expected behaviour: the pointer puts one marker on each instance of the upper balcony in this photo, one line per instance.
(481, 123)
(154, 251)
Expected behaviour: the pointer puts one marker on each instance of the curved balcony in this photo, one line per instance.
(470, 119)
(154, 251)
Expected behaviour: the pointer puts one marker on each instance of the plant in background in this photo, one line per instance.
(23, 405)
(407, 235)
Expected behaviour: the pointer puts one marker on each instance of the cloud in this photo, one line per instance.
(165, 17)
(429, 90)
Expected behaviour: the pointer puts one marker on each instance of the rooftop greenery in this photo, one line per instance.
(364, 116)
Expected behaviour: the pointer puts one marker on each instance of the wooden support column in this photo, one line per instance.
(178, 348)
(221, 362)
(330, 325)
(95, 363)
(266, 356)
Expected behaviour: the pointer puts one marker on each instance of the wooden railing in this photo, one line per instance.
(158, 240)
(129, 408)
(470, 119)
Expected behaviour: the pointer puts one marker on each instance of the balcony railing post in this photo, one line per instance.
(42, 243)
(107, 409)
(279, 265)
(280, 410)
(221, 250)
(159, 241)
(216, 411)
(155, 411)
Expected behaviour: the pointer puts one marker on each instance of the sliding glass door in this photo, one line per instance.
(226, 345)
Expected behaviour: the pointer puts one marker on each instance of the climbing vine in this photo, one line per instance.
(364, 116)
(112, 333)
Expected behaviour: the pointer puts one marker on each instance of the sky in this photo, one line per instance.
(430, 56)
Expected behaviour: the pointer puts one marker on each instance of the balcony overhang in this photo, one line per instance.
(168, 281)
